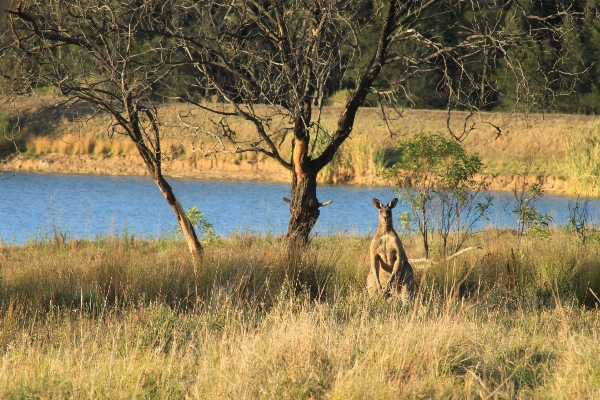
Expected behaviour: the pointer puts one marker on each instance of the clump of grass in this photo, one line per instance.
(101, 147)
(39, 145)
(583, 162)
(83, 147)
(71, 144)
(357, 159)
(123, 147)
(339, 98)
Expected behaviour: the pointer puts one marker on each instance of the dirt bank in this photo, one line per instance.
(213, 169)
(133, 165)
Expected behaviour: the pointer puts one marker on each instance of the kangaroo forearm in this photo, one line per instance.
(396, 268)
(374, 269)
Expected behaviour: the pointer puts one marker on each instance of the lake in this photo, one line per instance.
(33, 205)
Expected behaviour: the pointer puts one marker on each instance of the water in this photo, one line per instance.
(84, 206)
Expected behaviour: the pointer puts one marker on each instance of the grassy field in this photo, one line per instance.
(121, 317)
(564, 147)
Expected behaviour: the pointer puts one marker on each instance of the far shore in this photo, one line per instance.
(244, 170)
(558, 151)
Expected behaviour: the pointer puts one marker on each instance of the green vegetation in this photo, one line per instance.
(200, 224)
(573, 47)
(125, 317)
(438, 180)
(528, 217)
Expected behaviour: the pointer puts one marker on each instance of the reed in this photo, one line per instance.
(357, 158)
(128, 317)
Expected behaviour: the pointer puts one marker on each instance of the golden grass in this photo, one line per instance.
(128, 318)
(73, 145)
(532, 144)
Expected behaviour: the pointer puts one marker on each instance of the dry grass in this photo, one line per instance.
(530, 144)
(125, 318)
(70, 144)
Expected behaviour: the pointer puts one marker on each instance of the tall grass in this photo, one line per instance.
(583, 161)
(123, 318)
(357, 158)
(549, 143)
(71, 144)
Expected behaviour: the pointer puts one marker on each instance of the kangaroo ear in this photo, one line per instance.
(392, 203)
(377, 203)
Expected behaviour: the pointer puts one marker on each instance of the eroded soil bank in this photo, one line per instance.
(212, 168)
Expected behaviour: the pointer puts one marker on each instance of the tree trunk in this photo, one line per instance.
(186, 227)
(152, 159)
(304, 208)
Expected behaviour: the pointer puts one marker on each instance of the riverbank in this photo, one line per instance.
(560, 152)
(251, 170)
(132, 165)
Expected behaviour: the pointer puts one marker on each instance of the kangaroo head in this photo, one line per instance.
(385, 212)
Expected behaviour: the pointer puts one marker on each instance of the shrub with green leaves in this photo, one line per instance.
(529, 218)
(200, 224)
(438, 180)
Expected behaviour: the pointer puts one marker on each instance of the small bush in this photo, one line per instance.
(438, 180)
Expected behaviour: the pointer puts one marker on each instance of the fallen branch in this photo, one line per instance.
(458, 253)
(594, 294)
(450, 257)
(421, 260)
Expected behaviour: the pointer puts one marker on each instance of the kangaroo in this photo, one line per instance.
(390, 269)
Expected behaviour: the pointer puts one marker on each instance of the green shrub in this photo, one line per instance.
(437, 179)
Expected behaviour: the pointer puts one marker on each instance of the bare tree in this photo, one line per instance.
(96, 52)
(271, 62)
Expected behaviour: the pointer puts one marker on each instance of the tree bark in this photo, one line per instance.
(304, 208)
(186, 227)
(152, 159)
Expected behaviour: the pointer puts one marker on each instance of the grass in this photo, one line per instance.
(124, 317)
(583, 165)
(537, 145)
